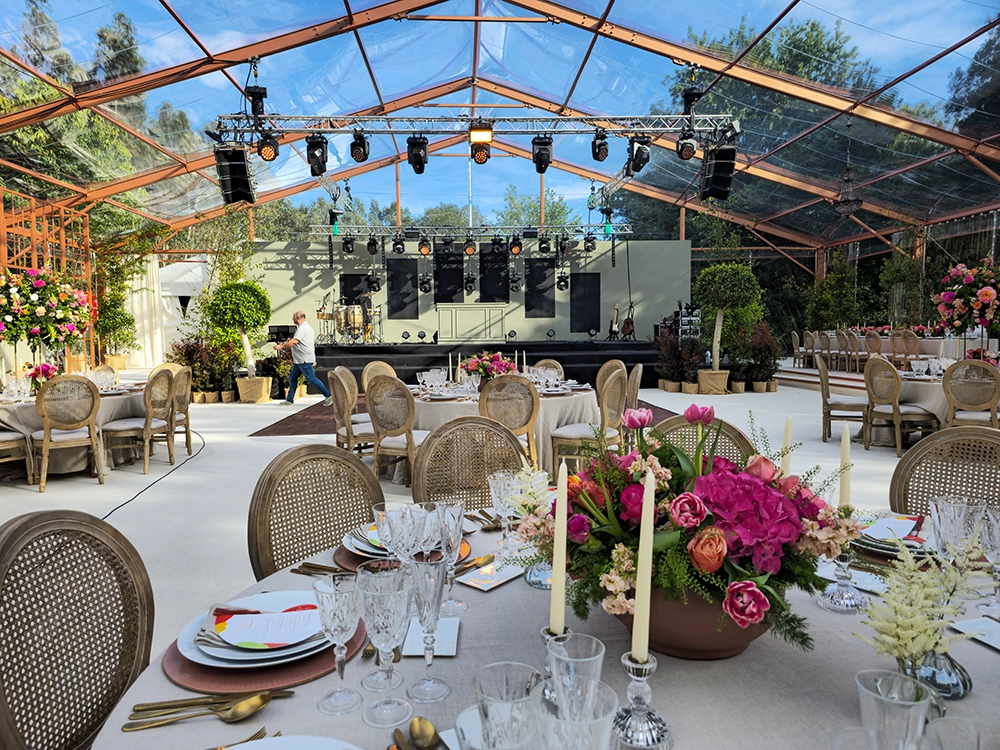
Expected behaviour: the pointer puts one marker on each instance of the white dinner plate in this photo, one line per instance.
(441, 396)
(361, 548)
(273, 601)
(303, 743)
(262, 657)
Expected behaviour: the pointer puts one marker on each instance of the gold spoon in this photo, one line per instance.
(236, 712)
(423, 734)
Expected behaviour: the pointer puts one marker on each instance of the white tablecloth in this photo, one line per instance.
(928, 394)
(771, 697)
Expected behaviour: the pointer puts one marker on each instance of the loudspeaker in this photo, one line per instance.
(235, 176)
(717, 172)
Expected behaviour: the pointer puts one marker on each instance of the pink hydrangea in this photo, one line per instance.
(745, 603)
(948, 297)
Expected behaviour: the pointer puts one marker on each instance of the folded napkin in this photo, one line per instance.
(208, 634)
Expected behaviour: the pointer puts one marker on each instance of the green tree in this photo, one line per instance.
(41, 45)
(651, 218)
(172, 129)
(450, 215)
(833, 303)
(116, 56)
(725, 286)
(524, 210)
(973, 102)
(385, 216)
(245, 306)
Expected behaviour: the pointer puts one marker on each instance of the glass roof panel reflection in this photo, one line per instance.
(952, 183)
(821, 221)
(183, 195)
(20, 89)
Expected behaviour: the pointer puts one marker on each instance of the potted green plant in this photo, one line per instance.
(765, 354)
(721, 287)
(115, 328)
(245, 306)
(670, 367)
(740, 358)
(691, 360)
(193, 351)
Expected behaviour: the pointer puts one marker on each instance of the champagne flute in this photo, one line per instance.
(337, 597)
(428, 587)
(406, 529)
(451, 516)
(501, 488)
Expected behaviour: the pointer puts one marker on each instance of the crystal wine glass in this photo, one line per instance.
(954, 518)
(450, 517)
(337, 597)
(406, 529)
(429, 577)
(502, 485)
(430, 536)
(991, 546)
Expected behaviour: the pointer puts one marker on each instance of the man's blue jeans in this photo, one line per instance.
(305, 370)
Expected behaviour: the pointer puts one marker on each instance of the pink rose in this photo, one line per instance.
(635, 419)
(37, 283)
(948, 297)
(578, 528)
(745, 603)
(31, 272)
(708, 549)
(35, 331)
(968, 278)
(787, 485)
(695, 414)
(632, 503)
(687, 511)
(763, 468)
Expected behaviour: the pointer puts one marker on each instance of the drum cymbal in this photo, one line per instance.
(367, 294)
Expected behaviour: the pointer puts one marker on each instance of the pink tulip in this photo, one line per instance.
(745, 603)
(695, 414)
(635, 419)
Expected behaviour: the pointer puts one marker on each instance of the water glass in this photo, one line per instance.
(451, 517)
(469, 728)
(990, 539)
(385, 588)
(574, 661)
(587, 729)
(337, 597)
(895, 705)
(428, 587)
(961, 734)
(954, 518)
(430, 538)
(506, 706)
(860, 738)
(406, 529)
(381, 526)
(502, 484)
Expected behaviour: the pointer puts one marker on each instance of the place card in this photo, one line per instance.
(491, 576)
(988, 628)
(861, 579)
(268, 630)
(891, 528)
(445, 639)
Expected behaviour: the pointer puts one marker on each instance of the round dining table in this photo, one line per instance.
(773, 696)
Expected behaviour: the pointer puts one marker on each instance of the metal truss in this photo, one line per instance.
(597, 231)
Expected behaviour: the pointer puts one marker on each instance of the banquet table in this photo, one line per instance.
(23, 418)
(771, 697)
(926, 393)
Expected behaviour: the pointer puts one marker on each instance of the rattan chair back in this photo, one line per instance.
(955, 461)
(305, 501)
(824, 380)
(882, 382)
(733, 444)
(911, 345)
(897, 345)
(76, 626)
(612, 400)
(843, 350)
(796, 350)
(823, 345)
(455, 460)
(68, 402)
(158, 396)
(632, 387)
(873, 343)
(182, 405)
(854, 351)
(512, 401)
(809, 342)
(108, 369)
(350, 383)
(609, 367)
(342, 409)
(172, 366)
(552, 364)
(972, 385)
(373, 369)
(391, 405)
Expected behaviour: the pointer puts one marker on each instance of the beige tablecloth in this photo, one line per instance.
(24, 418)
(771, 697)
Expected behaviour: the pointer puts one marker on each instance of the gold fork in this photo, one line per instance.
(258, 735)
(369, 651)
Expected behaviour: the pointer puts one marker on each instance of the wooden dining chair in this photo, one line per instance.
(76, 627)
(158, 403)
(351, 384)
(809, 349)
(798, 353)
(843, 355)
(350, 435)
(182, 406)
(605, 372)
(898, 347)
(67, 406)
(972, 388)
(374, 368)
(455, 460)
(822, 341)
(572, 440)
(954, 461)
(838, 407)
(305, 501)
(174, 367)
(855, 354)
(14, 447)
(513, 401)
(393, 410)
(882, 382)
(873, 344)
(108, 369)
(551, 364)
(733, 444)
(632, 401)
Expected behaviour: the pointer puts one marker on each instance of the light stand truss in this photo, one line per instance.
(597, 231)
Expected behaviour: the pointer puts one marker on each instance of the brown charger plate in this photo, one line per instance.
(350, 561)
(204, 679)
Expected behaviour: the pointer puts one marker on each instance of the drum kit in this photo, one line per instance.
(350, 324)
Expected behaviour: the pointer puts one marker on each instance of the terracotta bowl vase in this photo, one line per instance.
(691, 631)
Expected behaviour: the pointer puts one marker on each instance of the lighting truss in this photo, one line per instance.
(579, 231)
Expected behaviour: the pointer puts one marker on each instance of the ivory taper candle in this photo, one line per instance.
(449, 366)
(644, 572)
(557, 604)
(786, 456)
(845, 460)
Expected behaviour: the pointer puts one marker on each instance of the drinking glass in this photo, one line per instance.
(451, 516)
(385, 587)
(586, 728)
(954, 518)
(860, 738)
(961, 734)
(406, 529)
(420, 379)
(895, 705)
(475, 378)
(337, 597)
(990, 539)
(428, 587)
(504, 699)
(469, 728)
(430, 534)
(502, 485)
(574, 661)
(382, 526)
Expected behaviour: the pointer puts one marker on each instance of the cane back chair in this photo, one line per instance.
(873, 343)
(158, 401)
(569, 441)
(798, 353)
(513, 401)
(808, 349)
(822, 340)
(972, 388)
(632, 401)
(733, 444)
(843, 408)
(552, 364)
(393, 409)
(374, 368)
(172, 366)
(883, 384)
(855, 354)
(351, 384)
(182, 406)
(603, 374)
(67, 406)
(305, 501)
(897, 346)
(15, 447)
(843, 351)
(350, 435)
(108, 369)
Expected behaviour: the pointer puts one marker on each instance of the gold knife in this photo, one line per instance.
(401, 741)
(479, 562)
(206, 700)
(327, 568)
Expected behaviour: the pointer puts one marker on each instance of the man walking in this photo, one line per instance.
(303, 346)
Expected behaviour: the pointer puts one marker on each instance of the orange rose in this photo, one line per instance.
(708, 549)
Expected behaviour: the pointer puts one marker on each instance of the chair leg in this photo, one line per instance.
(826, 426)
(867, 430)
(145, 456)
(899, 440)
(187, 434)
(45, 471)
(170, 447)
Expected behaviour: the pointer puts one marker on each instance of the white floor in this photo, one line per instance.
(189, 524)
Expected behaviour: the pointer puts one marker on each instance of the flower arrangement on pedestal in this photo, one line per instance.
(488, 365)
(40, 373)
(42, 307)
(739, 535)
(985, 355)
(969, 298)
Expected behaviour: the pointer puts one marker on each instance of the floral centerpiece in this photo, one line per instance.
(42, 306)
(40, 373)
(969, 298)
(984, 355)
(725, 533)
(488, 365)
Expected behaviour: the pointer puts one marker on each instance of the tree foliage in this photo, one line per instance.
(833, 303)
(722, 287)
(524, 209)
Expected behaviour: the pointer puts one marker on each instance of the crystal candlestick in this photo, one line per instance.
(842, 597)
(638, 724)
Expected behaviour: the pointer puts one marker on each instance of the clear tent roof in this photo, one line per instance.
(100, 97)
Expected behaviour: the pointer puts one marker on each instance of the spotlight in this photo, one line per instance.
(544, 245)
(541, 152)
(551, 333)
(481, 131)
(496, 244)
(638, 153)
(515, 282)
(348, 245)
(424, 247)
(480, 152)
(589, 243)
(267, 147)
(564, 244)
(372, 245)
(416, 153)
(398, 246)
(425, 286)
(405, 335)
(359, 147)
(373, 282)
(217, 137)
(470, 246)
(511, 334)
(562, 282)
(256, 95)
(448, 245)
(592, 332)
(599, 146)
(687, 146)
(515, 245)
(470, 283)
(316, 153)
(421, 335)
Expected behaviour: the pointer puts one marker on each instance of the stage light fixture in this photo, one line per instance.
(470, 283)
(425, 286)
(496, 244)
(562, 282)
(256, 95)
(480, 152)
(544, 245)
(267, 147)
(511, 334)
(448, 245)
(515, 282)
(235, 175)
(316, 153)
(372, 245)
(515, 245)
(592, 333)
(348, 245)
(373, 282)
(359, 147)
(405, 335)
(481, 131)
(398, 246)
(416, 153)
(564, 244)
(638, 153)
(589, 243)
(470, 246)
(687, 146)
(550, 334)
(422, 335)
(599, 146)
(541, 152)
(424, 247)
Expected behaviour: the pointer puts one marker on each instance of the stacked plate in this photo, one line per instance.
(234, 657)
(364, 541)
(880, 537)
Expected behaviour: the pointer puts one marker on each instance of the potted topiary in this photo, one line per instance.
(765, 354)
(721, 287)
(670, 366)
(245, 306)
(691, 361)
